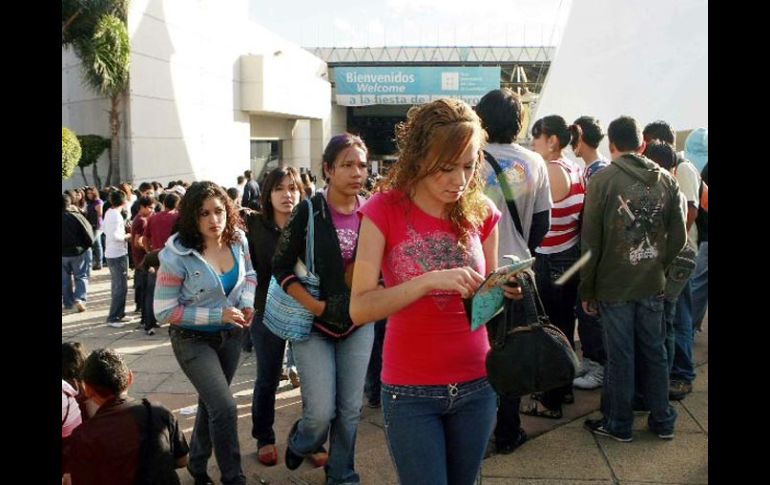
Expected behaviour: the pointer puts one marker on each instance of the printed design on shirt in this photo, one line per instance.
(348, 240)
(515, 172)
(437, 250)
(641, 214)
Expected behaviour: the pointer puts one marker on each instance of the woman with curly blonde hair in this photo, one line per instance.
(432, 233)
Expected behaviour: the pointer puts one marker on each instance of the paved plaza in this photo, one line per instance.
(560, 452)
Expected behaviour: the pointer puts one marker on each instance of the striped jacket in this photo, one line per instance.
(189, 293)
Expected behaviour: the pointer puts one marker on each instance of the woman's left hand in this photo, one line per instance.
(512, 289)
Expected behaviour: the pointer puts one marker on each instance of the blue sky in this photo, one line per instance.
(374, 23)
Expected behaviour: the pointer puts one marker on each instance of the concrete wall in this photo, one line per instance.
(185, 117)
(86, 113)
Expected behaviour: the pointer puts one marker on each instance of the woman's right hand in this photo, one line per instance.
(234, 316)
(465, 280)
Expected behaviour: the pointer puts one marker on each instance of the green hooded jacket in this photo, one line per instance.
(634, 226)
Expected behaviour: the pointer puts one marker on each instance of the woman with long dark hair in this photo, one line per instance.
(205, 291)
(332, 361)
(281, 192)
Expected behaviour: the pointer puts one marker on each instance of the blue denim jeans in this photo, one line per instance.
(332, 373)
(631, 328)
(76, 267)
(700, 285)
(373, 384)
(97, 248)
(437, 435)
(209, 360)
(590, 333)
(269, 350)
(118, 287)
(684, 366)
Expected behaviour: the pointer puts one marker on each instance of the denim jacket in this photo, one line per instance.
(189, 293)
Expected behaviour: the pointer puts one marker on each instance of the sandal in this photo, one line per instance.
(533, 410)
(268, 455)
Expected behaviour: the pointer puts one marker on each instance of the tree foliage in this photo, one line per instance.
(92, 147)
(70, 152)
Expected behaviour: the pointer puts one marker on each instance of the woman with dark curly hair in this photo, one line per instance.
(205, 291)
(432, 233)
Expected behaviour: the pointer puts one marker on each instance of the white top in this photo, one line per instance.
(527, 176)
(115, 234)
(688, 178)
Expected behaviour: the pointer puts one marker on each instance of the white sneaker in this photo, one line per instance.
(116, 324)
(592, 379)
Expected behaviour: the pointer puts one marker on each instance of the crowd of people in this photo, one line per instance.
(395, 257)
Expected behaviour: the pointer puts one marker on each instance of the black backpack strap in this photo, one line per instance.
(147, 449)
(507, 192)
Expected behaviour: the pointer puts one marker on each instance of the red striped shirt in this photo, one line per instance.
(565, 214)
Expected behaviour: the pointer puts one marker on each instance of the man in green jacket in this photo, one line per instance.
(634, 227)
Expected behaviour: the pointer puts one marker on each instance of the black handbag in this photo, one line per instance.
(527, 353)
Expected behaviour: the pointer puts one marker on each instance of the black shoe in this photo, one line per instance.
(373, 404)
(596, 426)
(200, 479)
(293, 460)
(508, 448)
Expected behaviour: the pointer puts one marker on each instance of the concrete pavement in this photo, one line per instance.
(558, 452)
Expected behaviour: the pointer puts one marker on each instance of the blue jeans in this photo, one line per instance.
(437, 435)
(590, 332)
(700, 285)
(118, 287)
(332, 373)
(684, 367)
(269, 350)
(209, 360)
(76, 267)
(97, 248)
(631, 328)
(373, 385)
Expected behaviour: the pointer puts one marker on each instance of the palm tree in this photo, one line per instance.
(97, 30)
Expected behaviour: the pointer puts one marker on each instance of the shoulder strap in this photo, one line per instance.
(507, 192)
(310, 238)
(146, 447)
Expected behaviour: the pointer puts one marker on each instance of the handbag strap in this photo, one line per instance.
(310, 239)
(507, 192)
(529, 289)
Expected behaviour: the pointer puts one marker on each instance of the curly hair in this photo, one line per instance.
(189, 209)
(433, 134)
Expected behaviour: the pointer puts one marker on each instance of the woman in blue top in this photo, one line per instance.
(205, 291)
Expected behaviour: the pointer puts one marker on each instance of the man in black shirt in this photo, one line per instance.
(77, 236)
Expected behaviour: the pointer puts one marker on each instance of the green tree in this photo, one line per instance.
(96, 29)
(92, 146)
(70, 152)
(79, 17)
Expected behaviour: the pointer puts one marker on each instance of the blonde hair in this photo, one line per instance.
(433, 134)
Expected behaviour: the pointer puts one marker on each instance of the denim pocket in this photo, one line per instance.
(389, 402)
